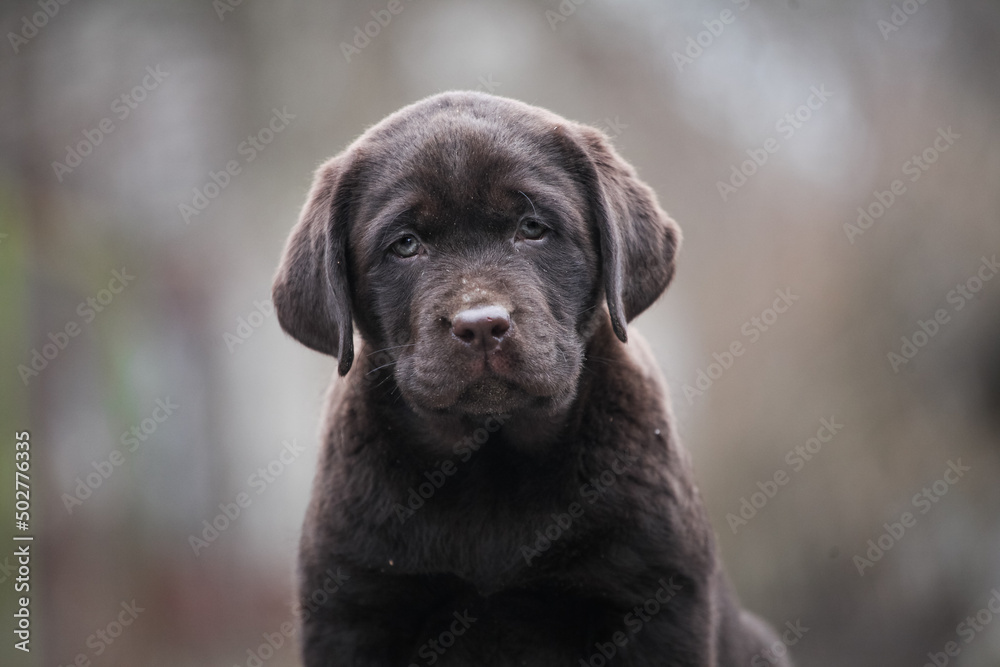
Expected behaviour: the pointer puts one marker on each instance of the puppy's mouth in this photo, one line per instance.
(476, 367)
(484, 393)
(477, 386)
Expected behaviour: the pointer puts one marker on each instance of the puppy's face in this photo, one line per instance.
(474, 241)
(474, 268)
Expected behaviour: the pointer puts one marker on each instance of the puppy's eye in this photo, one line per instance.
(407, 246)
(531, 229)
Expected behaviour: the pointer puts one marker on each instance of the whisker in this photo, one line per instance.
(384, 380)
(381, 367)
(384, 349)
(398, 392)
(603, 360)
(533, 211)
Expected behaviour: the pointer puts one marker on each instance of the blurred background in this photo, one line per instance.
(154, 156)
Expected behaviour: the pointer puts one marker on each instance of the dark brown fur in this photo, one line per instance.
(532, 483)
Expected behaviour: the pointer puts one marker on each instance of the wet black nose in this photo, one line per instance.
(482, 328)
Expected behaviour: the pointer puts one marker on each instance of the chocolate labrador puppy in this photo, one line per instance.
(499, 483)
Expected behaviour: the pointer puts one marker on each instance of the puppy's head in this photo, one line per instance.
(476, 242)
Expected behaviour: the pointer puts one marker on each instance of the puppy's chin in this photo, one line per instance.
(489, 395)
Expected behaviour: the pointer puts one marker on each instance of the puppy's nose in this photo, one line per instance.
(482, 328)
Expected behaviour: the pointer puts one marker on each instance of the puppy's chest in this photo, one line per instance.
(494, 543)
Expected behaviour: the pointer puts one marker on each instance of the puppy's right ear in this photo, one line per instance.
(311, 292)
(639, 242)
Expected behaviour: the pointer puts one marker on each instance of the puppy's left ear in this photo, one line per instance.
(638, 240)
(311, 291)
